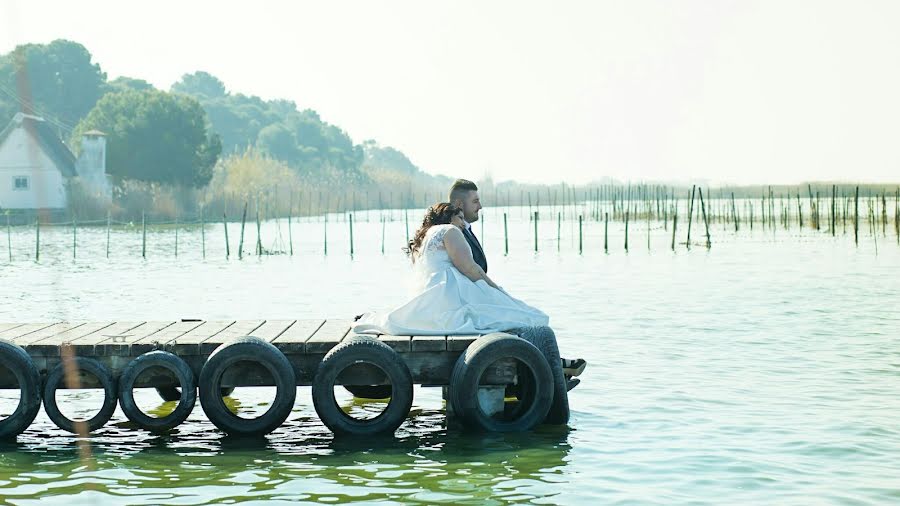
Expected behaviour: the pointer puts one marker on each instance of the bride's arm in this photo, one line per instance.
(461, 256)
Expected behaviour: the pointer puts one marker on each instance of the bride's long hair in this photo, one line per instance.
(438, 214)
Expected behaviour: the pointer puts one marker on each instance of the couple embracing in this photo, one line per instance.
(453, 293)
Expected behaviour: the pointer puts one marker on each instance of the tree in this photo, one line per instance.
(154, 136)
(124, 83)
(56, 80)
(200, 83)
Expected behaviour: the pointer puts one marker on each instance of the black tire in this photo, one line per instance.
(55, 381)
(249, 349)
(187, 396)
(346, 354)
(17, 361)
(544, 340)
(535, 384)
(369, 391)
(170, 394)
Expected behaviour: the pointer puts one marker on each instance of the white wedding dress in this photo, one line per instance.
(447, 302)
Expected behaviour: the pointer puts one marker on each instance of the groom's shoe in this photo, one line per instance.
(572, 383)
(573, 367)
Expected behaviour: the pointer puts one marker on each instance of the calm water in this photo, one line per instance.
(765, 370)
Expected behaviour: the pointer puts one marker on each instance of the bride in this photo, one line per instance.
(454, 295)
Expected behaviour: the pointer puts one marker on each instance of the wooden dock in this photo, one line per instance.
(209, 358)
(304, 342)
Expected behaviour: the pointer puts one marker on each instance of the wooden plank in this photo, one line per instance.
(118, 340)
(123, 333)
(116, 330)
(165, 335)
(202, 332)
(428, 343)
(459, 343)
(9, 326)
(293, 340)
(50, 346)
(22, 330)
(47, 332)
(240, 328)
(328, 335)
(271, 329)
(400, 344)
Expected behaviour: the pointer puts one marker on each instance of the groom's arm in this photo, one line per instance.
(461, 255)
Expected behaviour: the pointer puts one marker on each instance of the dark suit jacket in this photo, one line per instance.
(477, 252)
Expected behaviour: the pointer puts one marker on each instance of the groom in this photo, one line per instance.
(464, 195)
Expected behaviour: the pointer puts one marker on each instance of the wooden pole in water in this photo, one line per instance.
(705, 220)
(691, 216)
(176, 236)
(558, 230)
(351, 234)
(627, 212)
(505, 236)
(734, 215)
(674, 225)
(143, 235)
(37, 239)
(74, 235)
(856, 216)
(202, 234)
(649, 212)
(241, 241)
(259, 248)
(108, 219)
(897, 214)
(833, 216)
(606, 232)
(225, 226)
(291, 228)
(580, 240)
(8, 238)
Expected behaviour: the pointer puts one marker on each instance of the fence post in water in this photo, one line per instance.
(176, 236)
(202, 234)
(290, 228)
(674, 226)
(606, 232)
(74, 235)
(143, 235)
(107, 232)
(558, 230)
(705, 220)
(627, 211)
(856, 216)
(37, 239)
(734, 215)
(691, 216)
(241, 241)
(227, 246)
(897, 214)
(535, 225)
(580, 240)
(259, 248)
(351, 234)
(505, 236)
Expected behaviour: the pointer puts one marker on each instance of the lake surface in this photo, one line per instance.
(763, 370)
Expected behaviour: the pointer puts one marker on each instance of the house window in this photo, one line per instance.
(20, 183)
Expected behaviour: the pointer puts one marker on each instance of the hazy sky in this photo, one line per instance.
(779, 91)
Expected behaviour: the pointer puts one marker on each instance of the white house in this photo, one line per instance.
(36, 167)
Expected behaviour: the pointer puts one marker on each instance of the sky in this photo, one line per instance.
(727, 92)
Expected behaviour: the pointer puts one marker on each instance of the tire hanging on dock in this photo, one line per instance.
(354, 351)
(17, 361)
(535, 384)
(56, 380)
(187, 395)
(247, 349)
(544, 340)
